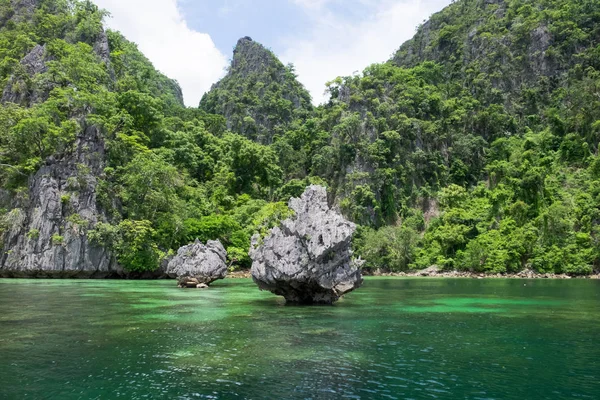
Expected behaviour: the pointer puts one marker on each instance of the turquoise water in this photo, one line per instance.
(392, 339)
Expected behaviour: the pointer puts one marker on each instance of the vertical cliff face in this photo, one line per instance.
(47, 230)
(260, 96)
(71, 93)
(19, 89)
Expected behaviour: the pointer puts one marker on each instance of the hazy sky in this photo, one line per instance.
(192, 40)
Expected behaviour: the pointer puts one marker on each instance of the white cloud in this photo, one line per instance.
(339, 46)
(312, 4)
(162, 34)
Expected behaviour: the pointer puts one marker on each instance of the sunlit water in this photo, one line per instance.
(392, 339)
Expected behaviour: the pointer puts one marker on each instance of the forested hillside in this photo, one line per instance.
(487, 123)
(259, 97)
(474, 147)
(99, 154)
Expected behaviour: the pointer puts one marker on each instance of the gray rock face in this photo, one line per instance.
(102, 50)
(250, 57)
(46, 230)
(101, 47)
(19, 89)
(308, 258)
(197, 264)
(23, 9)
(23, 90)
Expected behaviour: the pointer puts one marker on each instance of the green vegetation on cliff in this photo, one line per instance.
(475, 147)
(487, 124)
(259, 97)
(172, 174)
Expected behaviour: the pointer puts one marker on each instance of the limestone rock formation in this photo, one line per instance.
(308, 258)
(46, 233)
(197, 264)
(260, 96)
(18, 89)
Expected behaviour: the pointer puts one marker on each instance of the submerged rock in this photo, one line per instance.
(198, 264)
(308, 258)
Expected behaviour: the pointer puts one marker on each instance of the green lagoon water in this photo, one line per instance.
(392, 339)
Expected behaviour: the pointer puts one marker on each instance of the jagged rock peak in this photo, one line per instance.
(250, 56)
(308, 258)
(245, 95)
(243, 40)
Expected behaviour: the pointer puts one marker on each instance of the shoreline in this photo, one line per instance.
(246, 274)
(434, 273)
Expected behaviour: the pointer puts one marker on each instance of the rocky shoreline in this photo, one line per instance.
(246, 274)
(435, 273)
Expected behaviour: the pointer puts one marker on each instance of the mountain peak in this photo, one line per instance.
(250, 57)
(260, 96)
(244, 40)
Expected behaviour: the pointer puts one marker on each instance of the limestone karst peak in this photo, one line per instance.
(267, 92)
(250, 56)
(245, 39)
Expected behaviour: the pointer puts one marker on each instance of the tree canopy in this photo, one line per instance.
(475, 147)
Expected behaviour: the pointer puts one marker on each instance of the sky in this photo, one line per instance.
(192, 40)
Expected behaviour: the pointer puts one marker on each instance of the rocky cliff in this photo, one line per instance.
(47, 230)
(510, 44)
(475, 72)
(259, 97)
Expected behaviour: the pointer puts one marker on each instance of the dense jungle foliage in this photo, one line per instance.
(173, 174)
(474, 148)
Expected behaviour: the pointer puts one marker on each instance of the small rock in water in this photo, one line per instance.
(198, 264)
(308, 259)
(202, 286)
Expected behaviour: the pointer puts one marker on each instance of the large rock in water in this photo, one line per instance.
(308, 258)
(197, 264)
